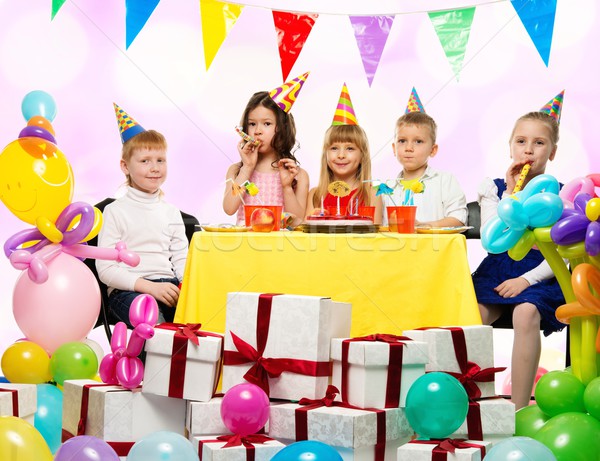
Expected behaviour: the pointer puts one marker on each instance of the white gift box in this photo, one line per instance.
(116, 414)
(368, 453)
(212, 450)
(495, 417)
(25, 396)
(204, 418)
(200, 371)
(413, 451)
(338, 426)
(442, 354)
(300, 328)
(368, 365)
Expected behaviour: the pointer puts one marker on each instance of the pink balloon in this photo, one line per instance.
(62, 309)
(144, 309)
(245, 409)
(107, 370)
(507, 384)
(130, 372)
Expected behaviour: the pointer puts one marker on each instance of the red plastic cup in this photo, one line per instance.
(367, 212)
(276, 209)
(402, 219)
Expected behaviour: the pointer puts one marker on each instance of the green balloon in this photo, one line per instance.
(559, 392)
(436, 405)
(529, 420)
(591, 398)
(73, 360)
(572, 437)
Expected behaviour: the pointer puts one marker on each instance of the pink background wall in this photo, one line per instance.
(161, 80)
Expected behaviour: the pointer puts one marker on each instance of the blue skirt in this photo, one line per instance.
(545, 295)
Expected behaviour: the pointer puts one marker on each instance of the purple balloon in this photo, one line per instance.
(86, 448)
(37, 132)
(569, 230)
(592, 239)
(580, 201)
(245, 409)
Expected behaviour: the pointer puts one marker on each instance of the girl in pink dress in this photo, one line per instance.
(270, 165)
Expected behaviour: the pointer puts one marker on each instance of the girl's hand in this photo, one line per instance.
(248, 153)
(511, 287)
(512, 175)
(288, 170)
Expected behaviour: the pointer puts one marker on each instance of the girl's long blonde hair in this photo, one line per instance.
(356, 135)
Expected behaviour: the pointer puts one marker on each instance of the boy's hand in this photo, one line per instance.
(164, 292)
(511, 287)
(288, 170)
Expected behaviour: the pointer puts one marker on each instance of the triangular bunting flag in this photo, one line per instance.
(57, 5)
(371, 33)
(217, 21)
(538, 19)
(137, 13)
(292, 32)
(453, 28)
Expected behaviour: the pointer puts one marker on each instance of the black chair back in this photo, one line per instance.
(190, 222)
(473, 219)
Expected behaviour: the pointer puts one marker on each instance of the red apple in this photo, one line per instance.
(262, 220)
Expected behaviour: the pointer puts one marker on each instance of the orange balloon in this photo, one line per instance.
(42, 122)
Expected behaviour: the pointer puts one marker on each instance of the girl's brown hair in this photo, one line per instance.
(356, 135)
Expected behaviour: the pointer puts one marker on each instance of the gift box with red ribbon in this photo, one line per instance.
(444, 450)
(18, 400)
(282, 342)
(117, 415)
(204, 418)
(338, 424)
(254, 447)
(376, 371)
(467, 353)
(490, 419)
(183, 361)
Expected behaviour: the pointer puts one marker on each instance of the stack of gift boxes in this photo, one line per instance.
(349, 393)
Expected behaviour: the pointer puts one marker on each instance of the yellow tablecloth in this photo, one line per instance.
(395, 282)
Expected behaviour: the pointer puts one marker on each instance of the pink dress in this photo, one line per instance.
(270, 192)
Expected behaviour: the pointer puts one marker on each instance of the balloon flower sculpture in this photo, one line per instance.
(577, 234)
(56, 299)
(122, 366)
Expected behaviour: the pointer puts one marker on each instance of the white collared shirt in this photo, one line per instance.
(442, 198)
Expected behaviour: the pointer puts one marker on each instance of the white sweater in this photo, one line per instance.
(153, 229)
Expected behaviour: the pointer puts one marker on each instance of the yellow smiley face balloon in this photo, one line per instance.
(36, 182)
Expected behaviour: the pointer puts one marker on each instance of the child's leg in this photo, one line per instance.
(527, 347)
(119, 303)
(490, 313)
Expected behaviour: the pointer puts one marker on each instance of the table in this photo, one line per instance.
(395, 282)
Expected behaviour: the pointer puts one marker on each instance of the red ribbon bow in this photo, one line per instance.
(189, 330)
(472, 375)
(235, 440)
(326, 401)
(445, 446)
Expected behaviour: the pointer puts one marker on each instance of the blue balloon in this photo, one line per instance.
(38, 102)
(520, 449)
(436, 405)
(307, 450)
(4, 380)
(48, 417)
(163, 446)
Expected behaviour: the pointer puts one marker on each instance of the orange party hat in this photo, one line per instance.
(344, 112)
(414, 103)
(286, 94)
(128, 127)
(554, 106)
